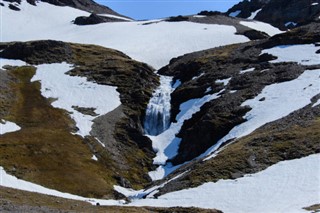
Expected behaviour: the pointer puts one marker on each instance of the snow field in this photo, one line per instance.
(304, 54)
(138, 40)
(287, 186)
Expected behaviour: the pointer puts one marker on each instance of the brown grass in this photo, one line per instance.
(44, 151)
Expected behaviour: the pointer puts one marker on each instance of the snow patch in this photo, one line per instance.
(290, 23)
(254, 14)
(94, 158)
(247, 70)
(224, 81)
(260, 26)
(11, 62)
(199, 16)
(7, 127)
(304, 54)
(235, 13)
(71, 91)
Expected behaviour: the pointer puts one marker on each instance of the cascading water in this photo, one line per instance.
(157, 117)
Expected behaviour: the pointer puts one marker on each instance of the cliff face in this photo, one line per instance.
(280, 13)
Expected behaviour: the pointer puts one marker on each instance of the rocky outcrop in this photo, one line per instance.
(86, 5)
(94, 19)
(279, 13)
(202, 70)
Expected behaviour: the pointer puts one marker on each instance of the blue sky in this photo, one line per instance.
(151, 9)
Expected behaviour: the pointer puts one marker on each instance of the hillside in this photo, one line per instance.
(151, 113)
(279, 13)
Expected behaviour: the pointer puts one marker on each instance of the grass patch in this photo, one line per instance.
(282, 140)
(44, 151)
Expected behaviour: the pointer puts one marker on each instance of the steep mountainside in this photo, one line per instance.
(280, 13)
(221, 112)
(106, 14)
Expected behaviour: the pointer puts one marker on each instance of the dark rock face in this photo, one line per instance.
(13, 7)
(217, 117)
(280, 13)
(86, 5)
(13, 1)
(94, 19)
(247, 7)
(32, 2)
(209, 13)
(177, 18)
(37, 52)
(255, 35)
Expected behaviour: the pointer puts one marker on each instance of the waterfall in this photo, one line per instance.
(157, 117)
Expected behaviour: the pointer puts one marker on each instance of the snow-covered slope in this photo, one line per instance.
(285, 187)
(138, 40)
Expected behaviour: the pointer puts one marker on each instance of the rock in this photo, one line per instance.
(86, 5)
(13, 7)
(38, 52)
(177, 18)
(32, 2)
(255, 35)
(209, 13)
(278, 13)
(93, 19)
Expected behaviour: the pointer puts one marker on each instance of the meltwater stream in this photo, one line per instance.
(157, 117)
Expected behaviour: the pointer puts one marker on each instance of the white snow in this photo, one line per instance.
(247, 70)
(235, 13)
(224, 81)
(316, 103)
(166, 144)
(94, 158)
(304, 54)
(287, 186)
(13, 182)
(7, 126)
(72, 91)
(280, 100)
(114, 16)
(254, 14)
(260, 26)
(138, 194)
(154, 44)
(199, 16)
(11, 62)
(290, 23)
